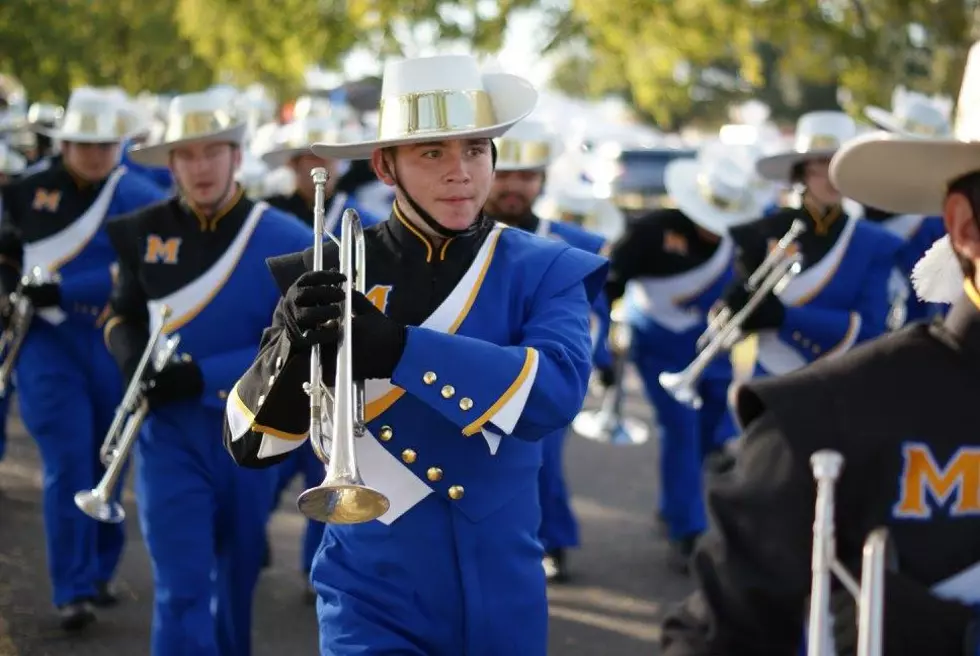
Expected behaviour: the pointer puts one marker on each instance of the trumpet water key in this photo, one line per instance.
(98, 502)
(19, 322)
(342, 497)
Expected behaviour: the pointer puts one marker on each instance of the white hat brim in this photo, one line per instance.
(158, 155)
(779, 167)
(512, 98)
(282, 156)
(681, 182)
(890, 123)
(906, 175)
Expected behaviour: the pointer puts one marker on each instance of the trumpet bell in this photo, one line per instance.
(678, 385)
(342, 502)
(90, 503)
(603, 426)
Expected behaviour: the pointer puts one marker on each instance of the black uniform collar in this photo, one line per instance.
(962, 321)
(235, 209)
(414, 243)
(822, 220)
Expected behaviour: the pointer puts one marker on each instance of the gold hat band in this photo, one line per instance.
(96, 125)
(434, 112)
(197, 124)
(526, 154)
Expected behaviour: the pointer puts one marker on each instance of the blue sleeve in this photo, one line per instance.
(221, 371)
(528, 390)
(817, 332)
(87, 293)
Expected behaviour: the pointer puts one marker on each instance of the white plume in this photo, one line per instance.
(937, 277)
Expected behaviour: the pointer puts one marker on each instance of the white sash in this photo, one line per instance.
(379, 468)
(189, 300)
(51, 253)
(662, 299)
(544, 228)
(776, 356)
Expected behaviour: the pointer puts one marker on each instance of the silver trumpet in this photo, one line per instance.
(342, 497)
(19, 323)
(608, 423)
(776, 271)
(870, 593)
(98, 502)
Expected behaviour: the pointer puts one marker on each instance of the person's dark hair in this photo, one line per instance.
(969, 186)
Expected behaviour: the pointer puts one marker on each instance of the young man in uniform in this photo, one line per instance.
(523, 156)
(901, 412)
(67, 384)
(12, 164)
(842, 296)
(474, 341)
(202, 254)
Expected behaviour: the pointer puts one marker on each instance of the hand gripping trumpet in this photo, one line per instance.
(342, 497)
(772, 276)
(870, 594)
(98, 502)
(18, 324)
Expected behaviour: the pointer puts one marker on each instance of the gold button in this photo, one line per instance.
(448, 391)
(797, 336)
(465, 403)
(434, 474)
(408, 456)
(456, 492)
(386, 433)
(222, 394)
(185, 357)
(429, 377)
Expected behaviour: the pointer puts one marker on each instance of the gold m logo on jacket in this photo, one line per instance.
(923, 479)
(159, 250)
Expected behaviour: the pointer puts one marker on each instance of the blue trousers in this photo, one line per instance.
(686, 437)
(69, 387)
(303, 461)
(559, 528)
(434, 583)
(204, 521)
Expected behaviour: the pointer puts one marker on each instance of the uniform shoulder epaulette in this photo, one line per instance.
(285, 269)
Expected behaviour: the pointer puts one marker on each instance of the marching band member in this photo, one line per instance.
(842, 296)
(294, 151)
(524, 153)
(900, 411)
(67, 384)
(913, 115)
(201, 253)
(672, 265)
(474, 338)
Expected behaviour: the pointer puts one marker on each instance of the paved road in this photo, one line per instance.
(621, 588)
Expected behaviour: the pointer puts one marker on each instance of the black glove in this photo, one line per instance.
(606, 376)
(44, 295)
(916, 621)
(310, 303)
(769, 314)
(175, 382)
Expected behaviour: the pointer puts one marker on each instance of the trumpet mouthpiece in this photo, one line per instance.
(319, 175)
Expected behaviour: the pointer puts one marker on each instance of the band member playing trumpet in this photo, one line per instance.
(672, 266)
(523, 156)
(900, 411)
(293, 150)
(474, 341)
(67, 384)
(202, 254)
(842, 295)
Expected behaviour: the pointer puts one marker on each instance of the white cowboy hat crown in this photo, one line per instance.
(913, 115)
(92, 116)
(44, 114)
(206, 117)
(718, 189)
(440, 98)
(11, 162)
(818, 136)
(528, 145)
(294, 138)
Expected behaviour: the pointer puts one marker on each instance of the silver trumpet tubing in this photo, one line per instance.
(722, 317)
(608, 423)
(869, 594)
(683, 385)
(97, 503)
(342, 497)
(18, 325)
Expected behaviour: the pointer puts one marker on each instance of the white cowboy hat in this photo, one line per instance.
(718, 189)
(913, 115)
(92, 116)
(527, 146)
(11, 162)
(44, 114)
(437, 98)
(818, 136)
(295, 138)
(192, 118)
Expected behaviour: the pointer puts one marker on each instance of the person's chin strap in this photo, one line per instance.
(433, 225)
